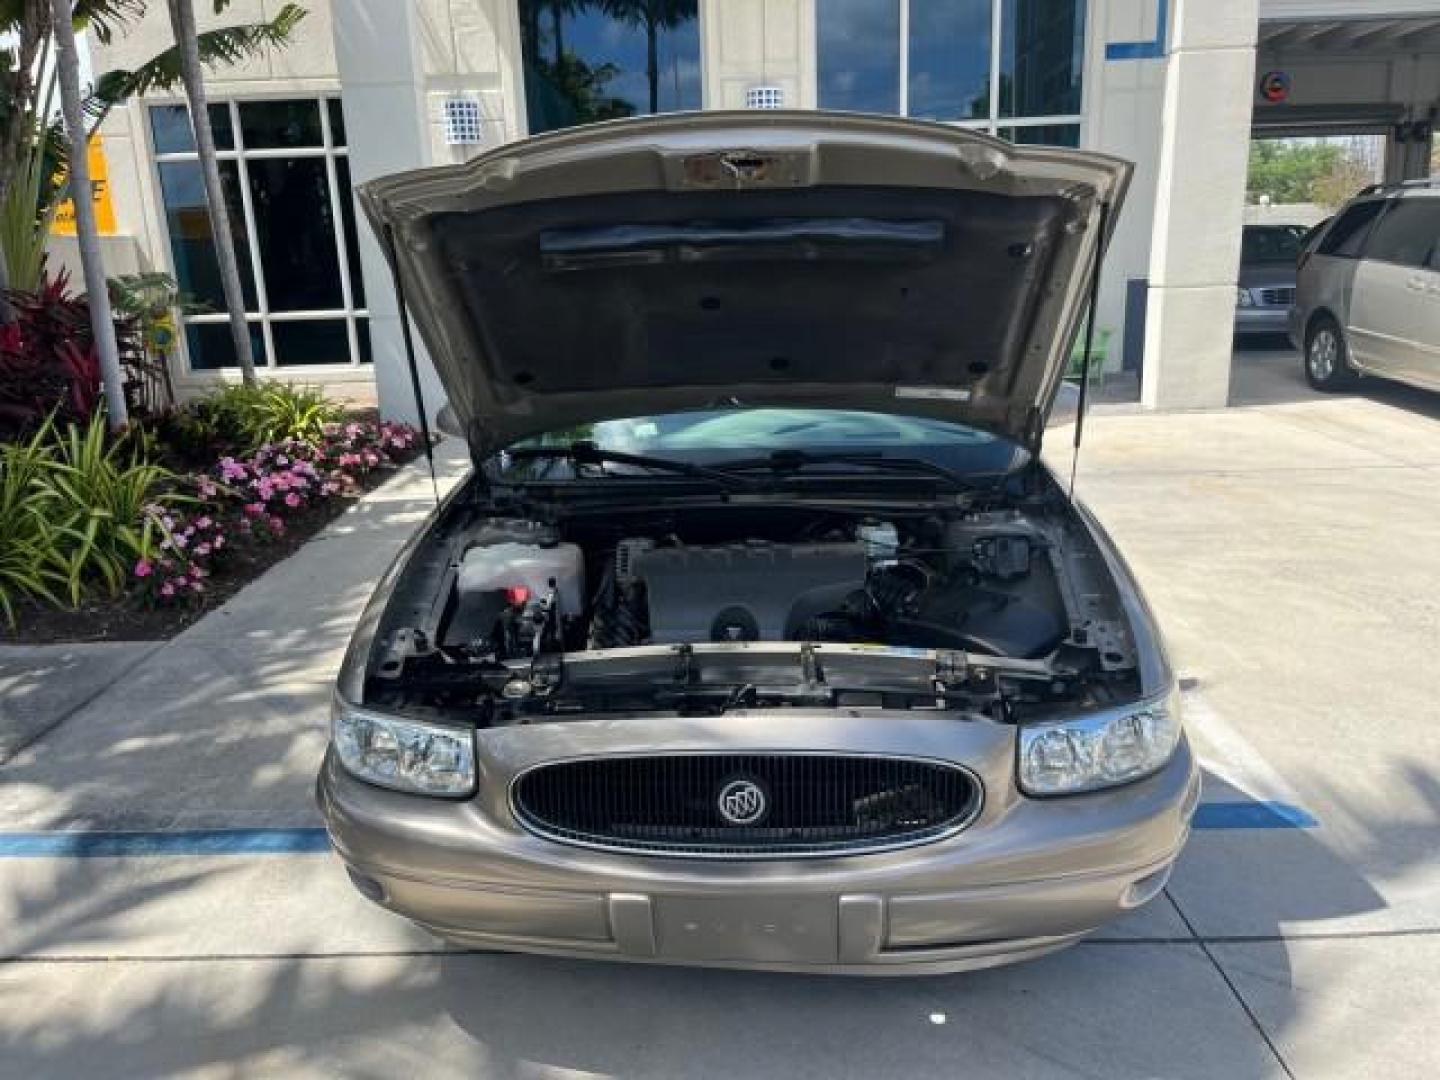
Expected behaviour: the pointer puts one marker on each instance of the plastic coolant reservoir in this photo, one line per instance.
(503, 566)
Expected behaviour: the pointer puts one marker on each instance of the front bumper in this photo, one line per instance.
(1262, 320)
(1027, 877)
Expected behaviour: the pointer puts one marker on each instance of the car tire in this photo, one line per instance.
(1327, 359)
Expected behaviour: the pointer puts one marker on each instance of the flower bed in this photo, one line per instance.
(205, 532)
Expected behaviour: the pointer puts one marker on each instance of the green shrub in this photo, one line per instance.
(73, 513)
(244, 418)
(94, 495)
(27, 543)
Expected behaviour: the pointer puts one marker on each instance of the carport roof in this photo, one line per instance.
(1351, 34)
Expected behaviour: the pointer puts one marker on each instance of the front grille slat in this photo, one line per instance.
(816, 804)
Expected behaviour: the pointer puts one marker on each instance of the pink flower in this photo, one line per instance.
(220, 541)
(167, 589)
(276, 525)
(253, 509)
(203, 523)
(180, 540)
(207, 487)
(143, 568)
(292, 500)
(197, 586)
(202, 550)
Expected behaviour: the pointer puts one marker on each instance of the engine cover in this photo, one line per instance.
(753, 591)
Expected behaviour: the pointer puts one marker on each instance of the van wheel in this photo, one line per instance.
(1327, 361)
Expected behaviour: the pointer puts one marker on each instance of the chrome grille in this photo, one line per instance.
(814, 804)
(1277, 297)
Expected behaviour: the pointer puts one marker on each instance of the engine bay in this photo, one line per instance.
(704, 609)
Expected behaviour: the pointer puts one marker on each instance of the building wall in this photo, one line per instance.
(747, 43)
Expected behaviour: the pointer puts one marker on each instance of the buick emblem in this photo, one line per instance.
(742, 802)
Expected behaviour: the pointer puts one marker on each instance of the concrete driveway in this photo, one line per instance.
(1292, 550)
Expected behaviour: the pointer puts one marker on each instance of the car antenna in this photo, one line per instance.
(410, 360)
(1089, 342)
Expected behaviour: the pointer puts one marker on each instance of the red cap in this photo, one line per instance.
(517, 595)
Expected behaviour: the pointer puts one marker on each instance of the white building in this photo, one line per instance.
(375, 86)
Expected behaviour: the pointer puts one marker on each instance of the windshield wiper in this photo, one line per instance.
(585, 452)
(789, 461)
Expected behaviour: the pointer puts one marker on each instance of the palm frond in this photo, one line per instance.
(104, 17)
(219, 47)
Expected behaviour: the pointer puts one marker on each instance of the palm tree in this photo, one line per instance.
(33, 150)
(102, 326)
(182, 22)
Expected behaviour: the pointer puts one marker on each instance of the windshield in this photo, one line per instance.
(715, 436)
(1272, 244)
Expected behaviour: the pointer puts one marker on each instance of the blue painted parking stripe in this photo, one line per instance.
(91, 845)
(1251, 815)
(188, 842)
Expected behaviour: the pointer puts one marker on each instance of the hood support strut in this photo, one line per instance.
(411, 362)
(1089, 342)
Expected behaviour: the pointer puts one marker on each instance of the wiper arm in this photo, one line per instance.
(585, 452)
(788, 461)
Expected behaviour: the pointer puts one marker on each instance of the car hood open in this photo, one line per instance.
(779, 258)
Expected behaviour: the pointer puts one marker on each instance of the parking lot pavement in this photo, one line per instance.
(1292, 551)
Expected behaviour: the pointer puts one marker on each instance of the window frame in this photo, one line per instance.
(995, 122)
(260, 315)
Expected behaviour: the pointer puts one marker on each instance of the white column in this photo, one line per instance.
(1199, 202)
(377, 50)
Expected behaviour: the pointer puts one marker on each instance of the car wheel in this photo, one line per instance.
(1327, 361)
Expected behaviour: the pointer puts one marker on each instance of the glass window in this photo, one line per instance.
(287, 203)
(1043, 134)
(949, 61)
(337, 122)
(1347, 236)
(859, 55)
(949, 76)
(291, 201)
(1042, 52)
(347, 220)
(311, 341)
(170, 129)
(212, 347)
(192, 242)
(272, 124)
(1271, 244)
(589, 60)
(709, 436)
(1406, 233)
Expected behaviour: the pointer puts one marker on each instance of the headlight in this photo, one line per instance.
(1100, 750)
(403, 754)
(1244, 298)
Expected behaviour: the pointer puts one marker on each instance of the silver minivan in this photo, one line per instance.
(1367, 296)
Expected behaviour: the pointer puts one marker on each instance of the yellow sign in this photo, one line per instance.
(64, 223)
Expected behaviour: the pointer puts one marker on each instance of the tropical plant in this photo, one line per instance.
(151, 300)
(27, 543)
(94, 494)
(242, 418)
(33, 149)
(47, 357)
